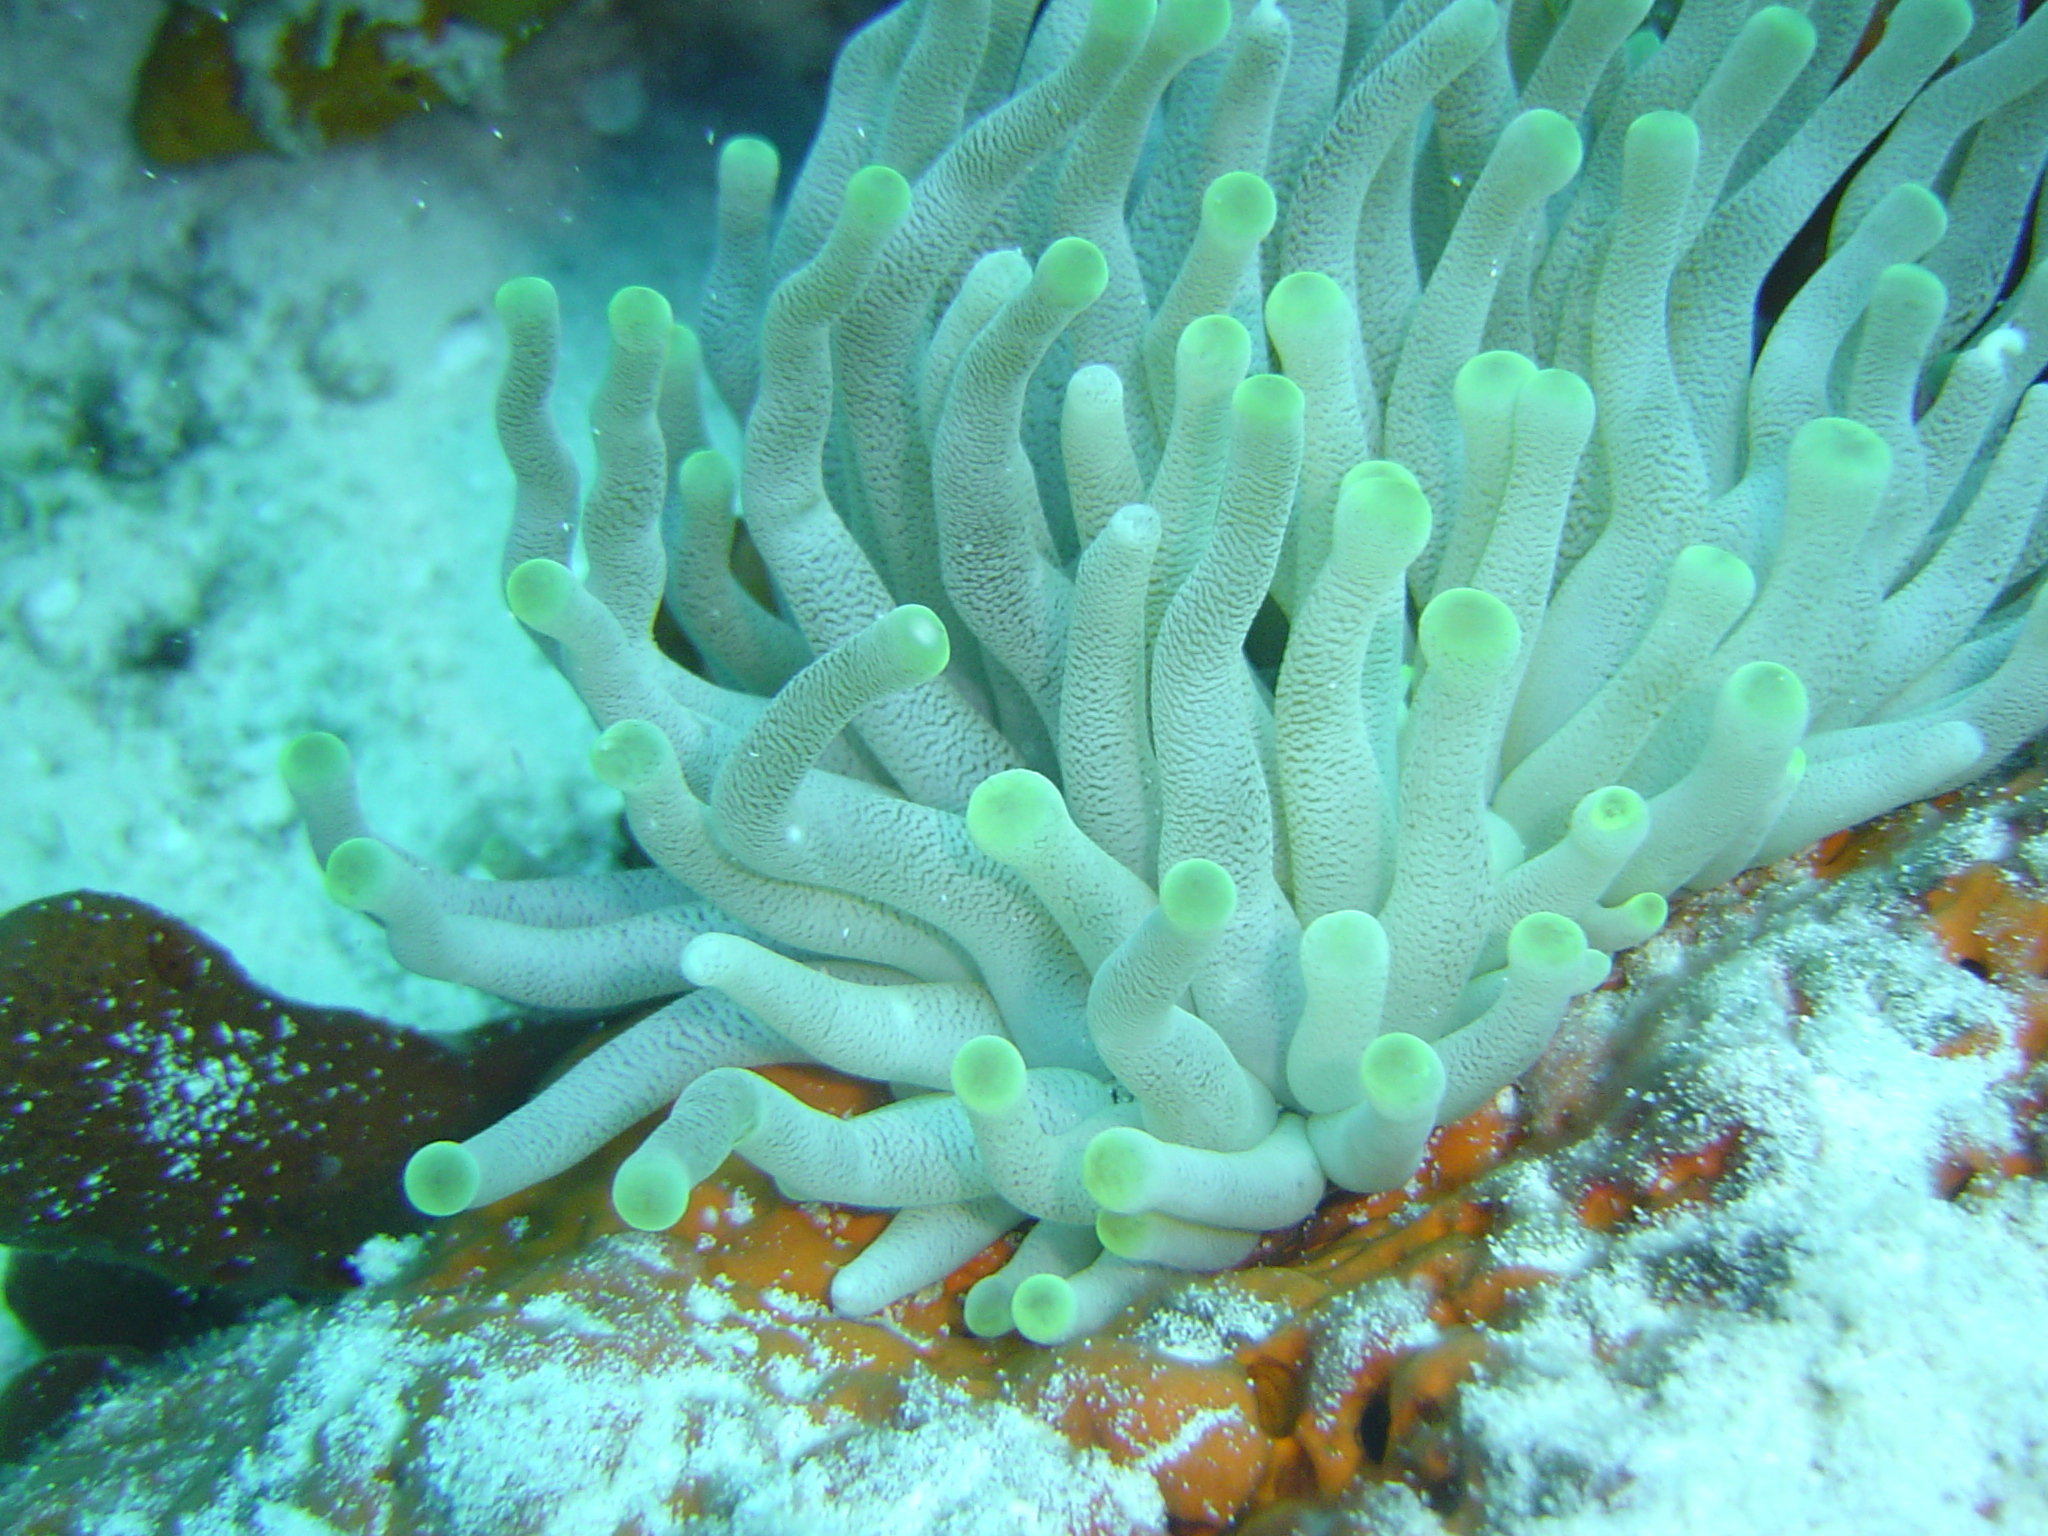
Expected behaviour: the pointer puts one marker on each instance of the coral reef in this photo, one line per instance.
(295, 75)
(290, 75)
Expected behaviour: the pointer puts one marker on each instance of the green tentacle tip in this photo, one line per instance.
(1767, 695)
(877, 198)
(1841, 451)
(914, 640)
(1114, 1166)
(526, 300)
(1239, 207)
(685, 351)
(1907, 285)
(1612, 811)
(1193, 26)
(361, 873)
(707, 478)
(1490, 381)
(1556, 400)
(1045, 1309)
(1135, 526)
(1914, 213)
(1784, 31)
(1481, 15)
(1467, 625)
(1710, 570)
(630, 755)
(1197, 896)
(1382, 469)
(1648, 910)
(640, 319)
(1072, 273)
(1120, 21)
(1401, 1076)
(504, 858)
(1546, 942)
(651, 1191)
(1380, 504)
(1547, 147)
(1268, 400)
(1012, 812)
(1126, 1236)
(539, 591)
(1349, 942)
(712, 959)
(748, 167)
(1666, 143)
(986, 1308)
(988, 1075)
(442, 1178)
(1214, 345)
(313, 762)
(1936, 25)
(1309, 306)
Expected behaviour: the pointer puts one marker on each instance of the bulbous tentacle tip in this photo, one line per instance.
(1191, 27)
(988, 1075)
(1072, 273)
(640, 320)
(986, 1308)
(1303, 304)
(748, 166)
(1545, 940)
(362, 873)
(629, 755)
(707, 476)
(1352, 940)
(1012, 812)
(526, 300)
(1466, 625)
(1401, 1076)
(1545, 147)
(539, 591)
(1197, 896)
(1045, 1309)
(1666, 143)
(1841, 454)
(1239, 206)
(1114, 1169)
(914, 641)
(1269, 401)
(1767, 697)
(1613, 811)
(877, 200)
(1121, 22)
(442, 1178)
(1213, 346)
(651, 1191)
(315, 761)
(710, 959)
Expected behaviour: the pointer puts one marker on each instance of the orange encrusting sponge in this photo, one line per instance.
(1279, 1419)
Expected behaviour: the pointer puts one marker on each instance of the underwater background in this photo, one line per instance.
(1767, 1245)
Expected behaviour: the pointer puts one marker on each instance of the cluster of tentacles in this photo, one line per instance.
(1216, 698)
